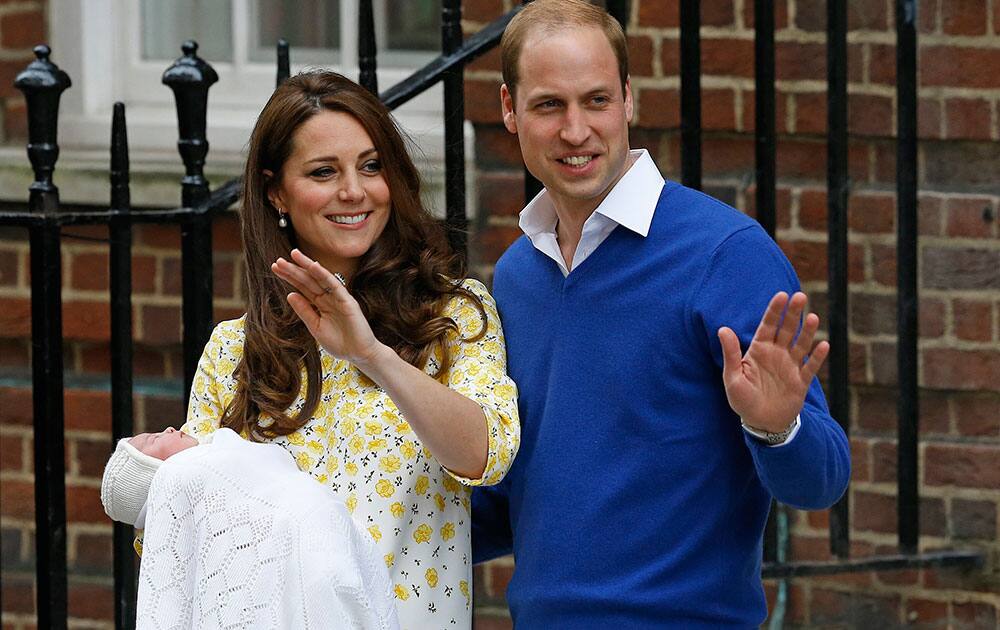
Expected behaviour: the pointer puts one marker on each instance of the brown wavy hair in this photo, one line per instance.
(402, 282)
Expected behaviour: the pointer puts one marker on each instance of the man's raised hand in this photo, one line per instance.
(767, 386)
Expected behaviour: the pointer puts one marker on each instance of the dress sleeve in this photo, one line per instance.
(210, 390)
(479, 371)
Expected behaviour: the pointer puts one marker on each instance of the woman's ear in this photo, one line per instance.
(269, 185)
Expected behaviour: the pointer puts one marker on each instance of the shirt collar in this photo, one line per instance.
(631, 201)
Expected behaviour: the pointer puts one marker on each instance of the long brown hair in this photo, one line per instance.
(402, 282)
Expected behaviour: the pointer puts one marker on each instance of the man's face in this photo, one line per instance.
(164, 444)
(570, 115)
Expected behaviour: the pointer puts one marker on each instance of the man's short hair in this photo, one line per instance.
(555, 15)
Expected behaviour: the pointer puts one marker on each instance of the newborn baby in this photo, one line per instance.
(237, 536)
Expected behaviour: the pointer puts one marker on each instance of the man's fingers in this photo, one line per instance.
(732, 356)
(804, 342)
(768, 326)
(793, 315)
(815, 362)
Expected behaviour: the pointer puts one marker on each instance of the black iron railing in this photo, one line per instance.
(191, 77)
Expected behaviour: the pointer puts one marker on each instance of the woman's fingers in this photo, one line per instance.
(296, 276)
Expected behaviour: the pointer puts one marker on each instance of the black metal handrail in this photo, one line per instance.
(191, 77)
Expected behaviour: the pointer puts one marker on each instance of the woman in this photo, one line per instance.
(387, 381)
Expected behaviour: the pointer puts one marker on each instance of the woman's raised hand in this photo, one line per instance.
(328, 310)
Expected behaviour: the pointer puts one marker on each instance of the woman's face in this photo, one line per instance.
(333, 188)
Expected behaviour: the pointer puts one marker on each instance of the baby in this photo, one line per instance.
(237, 536)
(125, 485)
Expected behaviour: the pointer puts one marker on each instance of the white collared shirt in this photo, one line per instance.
(630, 203)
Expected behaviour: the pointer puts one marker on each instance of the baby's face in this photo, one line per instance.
(164, 444)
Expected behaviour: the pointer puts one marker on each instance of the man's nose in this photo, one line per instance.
(575, 129)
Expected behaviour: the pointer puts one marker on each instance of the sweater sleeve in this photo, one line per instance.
(479, 371)
(744, 273)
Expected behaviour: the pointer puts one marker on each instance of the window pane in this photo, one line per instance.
(413, 25)
(165, 26)
(305, 24)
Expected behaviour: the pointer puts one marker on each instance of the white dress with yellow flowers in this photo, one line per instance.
(359, 445)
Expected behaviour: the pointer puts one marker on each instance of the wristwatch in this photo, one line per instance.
(772, 439)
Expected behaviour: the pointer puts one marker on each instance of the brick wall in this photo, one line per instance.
(959, 68)
(960, 290)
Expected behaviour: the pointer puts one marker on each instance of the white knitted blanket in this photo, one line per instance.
(237, 537)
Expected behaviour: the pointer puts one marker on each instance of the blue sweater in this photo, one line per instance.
(636, 500)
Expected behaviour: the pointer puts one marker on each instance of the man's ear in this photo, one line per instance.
(628, 99)
(507, 105)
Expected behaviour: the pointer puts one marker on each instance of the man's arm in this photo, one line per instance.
(491, 533)
(774, 380)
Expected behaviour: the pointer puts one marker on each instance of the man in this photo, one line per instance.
(638, 498)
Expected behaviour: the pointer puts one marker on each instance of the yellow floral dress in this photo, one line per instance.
(359, 445)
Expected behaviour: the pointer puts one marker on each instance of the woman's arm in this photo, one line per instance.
(452, 426)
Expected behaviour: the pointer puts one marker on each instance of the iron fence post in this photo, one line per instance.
(367, 50)
(190, 77)
(42, 83)
(454, 128)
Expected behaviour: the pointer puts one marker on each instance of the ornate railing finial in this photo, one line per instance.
(42, 83)
(190, 77)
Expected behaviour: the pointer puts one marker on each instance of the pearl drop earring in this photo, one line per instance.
(282, 219)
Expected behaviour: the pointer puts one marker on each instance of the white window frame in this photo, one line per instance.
(98, 43)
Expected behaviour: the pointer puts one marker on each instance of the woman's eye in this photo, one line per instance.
(371, 166)
(324, 171)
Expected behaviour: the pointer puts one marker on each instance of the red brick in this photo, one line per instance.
(974, 615)
(143, 275)
(930, 213)
(493, 241)
(970, 217)
(870, 16)
(996, 26)
(482, 101)
(813, 210)
(960, 268)
(640, 56)
(783, 198)
(718, 109)
(870, 115)
(162, 412)
(222, 278)
(882, 64)
(171, 276)
(965, 466)
(91, 601)
(664, 14)
(14, 353)
(86, 320)
(659, 108)
(157, 236)
(964, 17)
(853, 610)
(482, 10)
(781, 104)
(493, 191)
(12, 452)
(933, 521)
(18, 595)
(10, 262)
(804, 159)
(89, 272)
(968, 118)
(810, 16)
(91, 456)
(93, 553)
(496, 148)
(160, 324)
(961, 369)
(83, 505)
(861, 469)
(491, 61)
(18, 500)
(15, 320)
(972, 519)
(719, 13)
(809, 258)
(973, 320)
(810, 113)
(927, 16)
(884, 456)
(872, 314)
(500, 576)
(16, 405)
(226, 234)
(926, 614)
(874, 512)
(810, 547)
(929, 119)
(872, 214)
(87, 410)
(978, 414)
(22, 30)
(931, 318)
(9, 69)
(954, 66)
(796, 61)
(884, 264)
